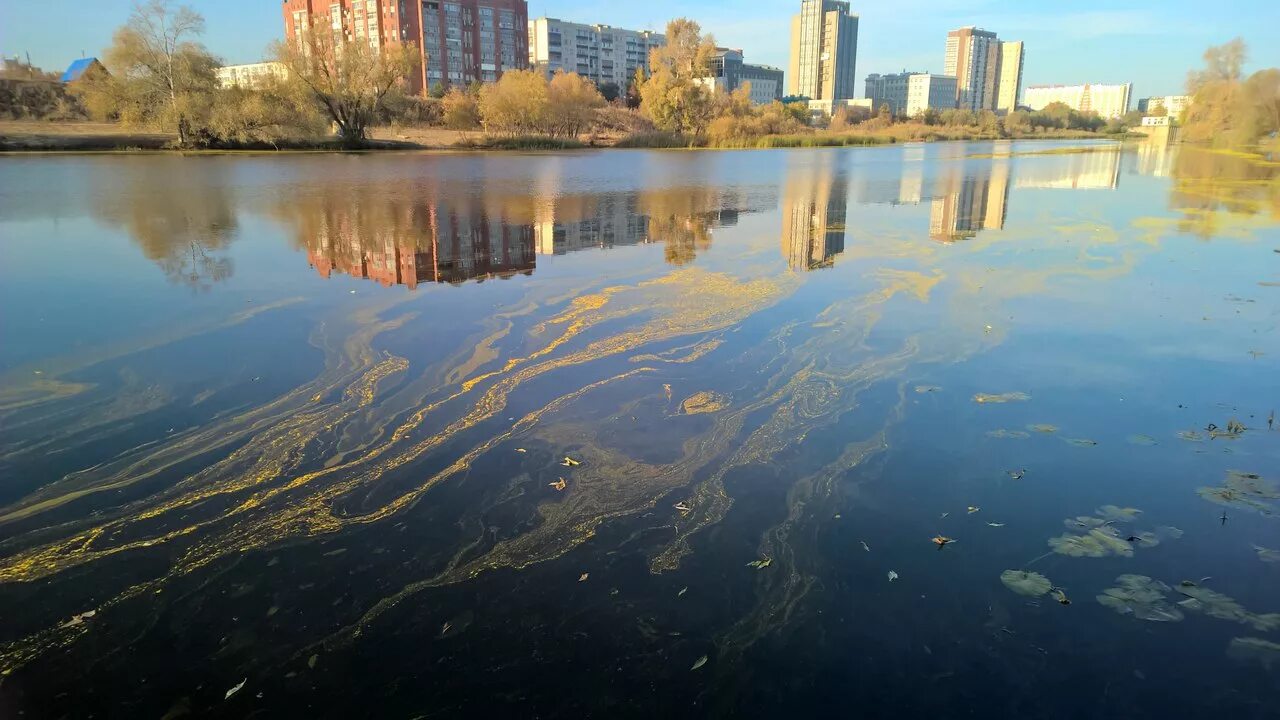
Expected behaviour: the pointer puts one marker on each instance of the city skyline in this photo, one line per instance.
(1093, 42)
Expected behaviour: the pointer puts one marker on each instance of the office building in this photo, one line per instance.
(1009, 76)
(599, 52)
(910, 94)
(1108, 101)
(458, 42)
(824, 51)
(253, 75)
(1173, 105)
(728, 72)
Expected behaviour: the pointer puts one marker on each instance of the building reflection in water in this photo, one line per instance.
(815, 208)
(970, 204)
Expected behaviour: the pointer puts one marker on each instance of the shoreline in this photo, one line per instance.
(35, 138)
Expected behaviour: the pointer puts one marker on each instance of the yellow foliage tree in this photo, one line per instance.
(672, 96)
(516, 104)
(572, 104)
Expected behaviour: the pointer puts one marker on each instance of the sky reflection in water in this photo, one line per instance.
(471, 434)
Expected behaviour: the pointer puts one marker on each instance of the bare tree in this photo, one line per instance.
(349, 79)
(159, 73)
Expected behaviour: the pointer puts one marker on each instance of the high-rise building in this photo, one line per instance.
(970, 204)
(911, 93)
(824, 51)
(1009, 76)
(1109, 101)
(458, 41)
(988, 72)
(599, 52)
(728, 72)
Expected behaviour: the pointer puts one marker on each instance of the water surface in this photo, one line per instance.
(609, 434)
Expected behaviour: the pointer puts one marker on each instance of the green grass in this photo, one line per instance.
(655, 139)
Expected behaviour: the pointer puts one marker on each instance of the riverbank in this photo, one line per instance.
(24, 136)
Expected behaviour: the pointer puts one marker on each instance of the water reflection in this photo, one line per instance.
(182, 219)
(815, 205)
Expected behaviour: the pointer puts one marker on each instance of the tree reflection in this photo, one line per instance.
(180, 213)
(1211, 186)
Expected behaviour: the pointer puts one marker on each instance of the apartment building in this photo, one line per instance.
(602, 53)
(1109, 101)
(910, 94)
(728, 72)
(1173, 105)
(824, 51)
(1009, 76)
(252, 75)
(988, 71)
(458, 41)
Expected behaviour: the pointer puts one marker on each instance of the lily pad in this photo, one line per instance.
(1266, 555)
(1254, 650)
(1118, 514)
(1146, 440)
(1098, 542)
(1045, 429)
(1026, 583)
(1216, 605)
(1246, 491)
(987, 399)
(1141, 597)
(1008, 434)
(1080, 442)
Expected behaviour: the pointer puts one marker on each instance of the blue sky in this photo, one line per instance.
(1151, 44)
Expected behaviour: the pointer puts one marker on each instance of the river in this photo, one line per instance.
(945, 430)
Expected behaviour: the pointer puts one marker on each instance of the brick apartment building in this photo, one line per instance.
(458, 41)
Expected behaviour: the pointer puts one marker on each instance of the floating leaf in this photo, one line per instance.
(699, 663)
(79, 619)
(942, 541)
(682, 507)
(892, 576)
(558, 485)
(923, 389)
(1084, 522)
(1044, 429)
(1080, 442)
(1254, 650)
(995, 525)
(1244, 490)
(311, 662)
(1190, 436)
(1026, 583)
(1061, 596)
(570, 462)
(986, 399)
(760, 564)
(583, 577)
(682, 591)
(235, 689)
(1142, 440)
(1142, 597)
(865, 546)
(973, 509)
(1017, 474)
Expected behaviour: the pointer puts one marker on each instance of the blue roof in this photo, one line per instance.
(77, 69)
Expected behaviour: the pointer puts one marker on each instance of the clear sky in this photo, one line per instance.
(1151, 43)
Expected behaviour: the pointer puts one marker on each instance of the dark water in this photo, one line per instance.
(617, 434)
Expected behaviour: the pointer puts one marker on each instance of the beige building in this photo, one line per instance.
(602, 53)
(1009, 76)
(253, 75)
(824, 51)
(910, 94)
(988, 72)
(1109, 101)
(1173, 105)
(815, 204)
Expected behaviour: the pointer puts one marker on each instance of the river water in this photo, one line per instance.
(952, 430)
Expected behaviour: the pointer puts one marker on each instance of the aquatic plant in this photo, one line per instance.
(1246, 491)
(1141, 597)
(1254, 650)
(986, 399)
(1026, 583)
(1118, 514)
(1099, 542)
(1216, 605)
(703, 402)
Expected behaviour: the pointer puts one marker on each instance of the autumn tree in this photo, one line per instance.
(1227, 109)
(516, 104)
(159, 74)
(349, 80)
(461, 111)
(572, 101)
(672, 96)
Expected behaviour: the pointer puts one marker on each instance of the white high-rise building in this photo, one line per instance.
(910, 94)
(602, 53)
